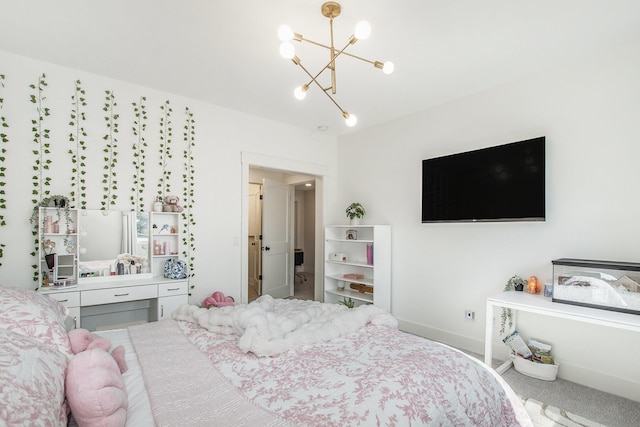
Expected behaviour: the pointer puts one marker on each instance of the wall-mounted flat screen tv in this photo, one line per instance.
(501, 183)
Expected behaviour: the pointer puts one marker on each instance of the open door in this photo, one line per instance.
(277, 239)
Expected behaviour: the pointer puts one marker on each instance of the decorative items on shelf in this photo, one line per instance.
(351, 235)
(355, 212)
(61, 203)
(369, 254)
(171, 204)
(175, 269)
(533, 285)
(362, 288)
(338, 256)
(157, 204)
(48, 246)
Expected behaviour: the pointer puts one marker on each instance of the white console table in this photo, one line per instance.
(523, 301)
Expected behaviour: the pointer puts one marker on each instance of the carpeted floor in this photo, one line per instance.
(543, 415)
(585, 402)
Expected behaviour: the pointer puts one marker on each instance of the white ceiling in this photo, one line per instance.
(226, 52)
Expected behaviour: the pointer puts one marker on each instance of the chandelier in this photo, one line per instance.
(362, 31)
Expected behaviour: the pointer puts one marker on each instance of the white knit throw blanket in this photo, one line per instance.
(268, 326)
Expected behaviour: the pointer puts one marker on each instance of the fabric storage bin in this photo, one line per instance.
(541, 371)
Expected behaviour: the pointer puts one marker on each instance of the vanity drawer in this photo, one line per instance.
(111, 295)
(68, 299)
(172, 288)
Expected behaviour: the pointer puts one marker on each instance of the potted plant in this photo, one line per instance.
(515, 283)
(349, 303)
(355, 211)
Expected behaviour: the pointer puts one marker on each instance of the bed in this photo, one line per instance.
(268, 363)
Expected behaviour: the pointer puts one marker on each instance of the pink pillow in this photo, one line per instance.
(95, 390)
(31, 382)
(37, 316)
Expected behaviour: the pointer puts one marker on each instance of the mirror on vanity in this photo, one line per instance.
(104, 235)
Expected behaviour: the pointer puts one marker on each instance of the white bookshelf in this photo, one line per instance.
(376, 274)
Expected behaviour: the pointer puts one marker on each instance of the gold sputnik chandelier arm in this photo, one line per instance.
(329, 10)
(330, 65)
(377, 64)
(296, 61)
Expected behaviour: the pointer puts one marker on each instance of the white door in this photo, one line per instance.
(277, 242)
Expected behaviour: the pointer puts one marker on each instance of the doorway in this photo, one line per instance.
(299, 264)
(294, 173)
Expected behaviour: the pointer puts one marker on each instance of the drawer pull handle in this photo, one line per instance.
(173, 289)
(64, 300)
(121, 295)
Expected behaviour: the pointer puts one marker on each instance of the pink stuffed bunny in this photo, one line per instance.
(217, 299)
(82, 339)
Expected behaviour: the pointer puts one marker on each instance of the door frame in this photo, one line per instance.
(249, 159)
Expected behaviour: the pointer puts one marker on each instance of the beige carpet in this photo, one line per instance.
(544, 415)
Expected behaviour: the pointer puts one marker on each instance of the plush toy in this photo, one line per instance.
(217, 299)
(171, 204)
(95, 390)
(82, 339)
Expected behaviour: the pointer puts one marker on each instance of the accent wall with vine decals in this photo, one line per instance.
(109, 177)
(139, 127)
(82, 158)
(188, 238)
(4, 139)
(78, 158)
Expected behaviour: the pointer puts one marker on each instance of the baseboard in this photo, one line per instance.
(458, 341)
(603, 381)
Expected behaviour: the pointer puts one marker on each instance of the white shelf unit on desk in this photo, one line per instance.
(165, 239)
(52, 226)
(376, 275)
(523, 301)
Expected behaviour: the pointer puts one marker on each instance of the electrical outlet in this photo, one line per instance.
(469, 316)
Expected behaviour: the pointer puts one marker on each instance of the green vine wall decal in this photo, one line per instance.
(139, 127)
(188, 239)
(78, 159)
(41, 137)
(109, 181)
(41, 181)
(4, 139)
(164, 185)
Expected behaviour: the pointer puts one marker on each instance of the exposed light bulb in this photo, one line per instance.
(287, 50)
(363, 30)
(388, 67)
(351, 120)
(285, 33)
(300, 93)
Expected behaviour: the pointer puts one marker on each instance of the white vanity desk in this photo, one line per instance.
(125, 300)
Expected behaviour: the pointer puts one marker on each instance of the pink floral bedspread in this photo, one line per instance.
(374, 376)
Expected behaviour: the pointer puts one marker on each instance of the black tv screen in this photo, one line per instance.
(502, 183)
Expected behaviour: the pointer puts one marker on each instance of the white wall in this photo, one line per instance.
(590, 114)
(221, 136)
